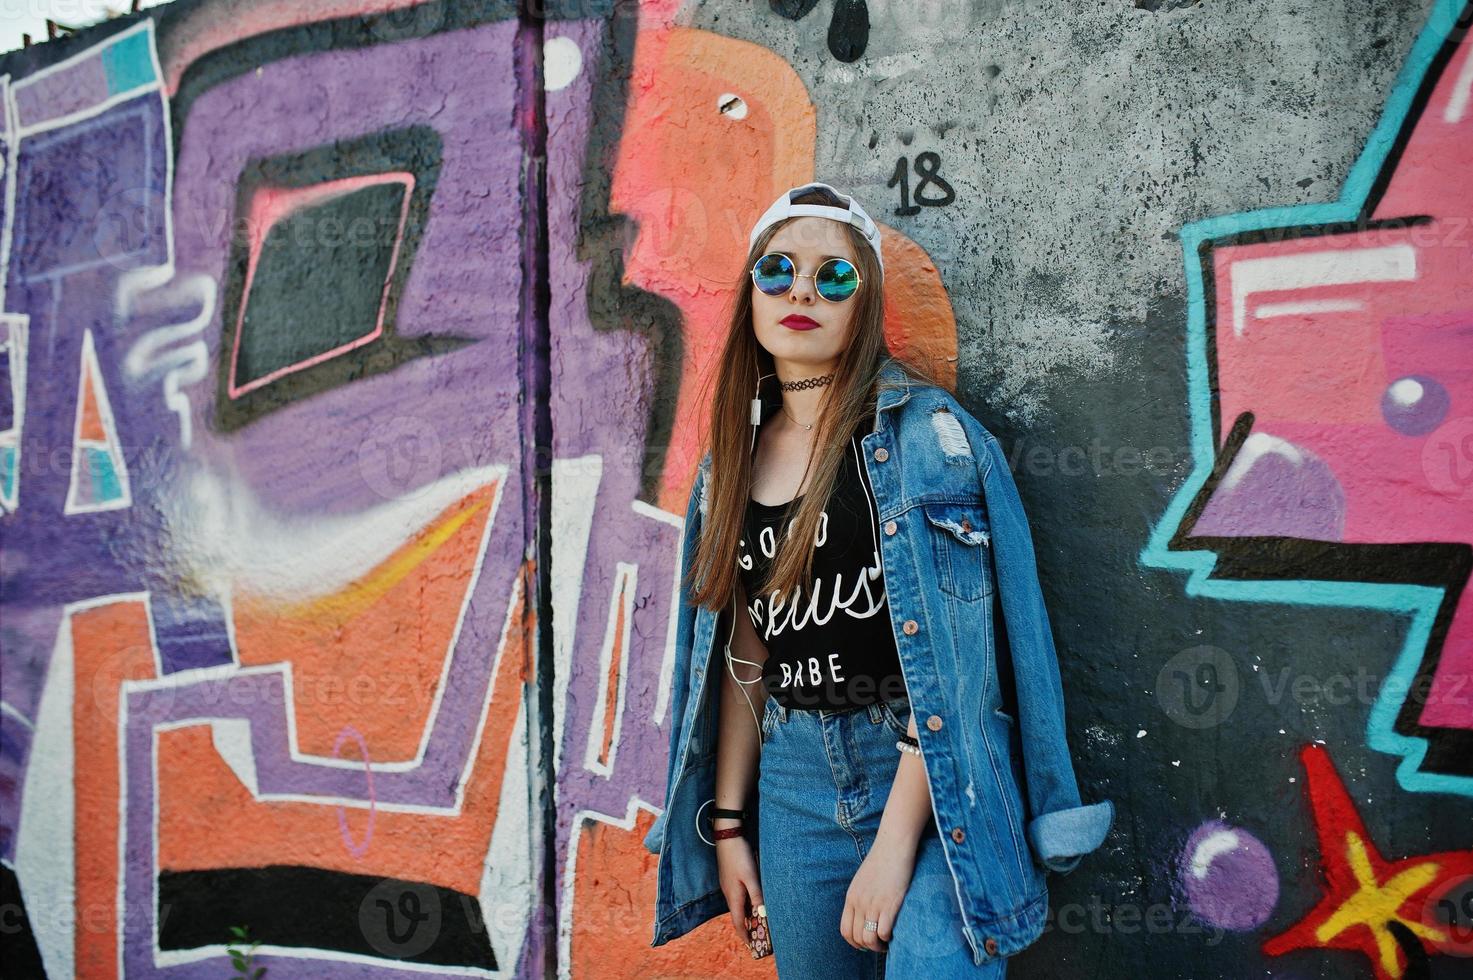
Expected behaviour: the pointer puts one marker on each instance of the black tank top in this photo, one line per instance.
(831, 645)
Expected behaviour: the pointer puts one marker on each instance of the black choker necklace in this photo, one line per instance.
(818, 382)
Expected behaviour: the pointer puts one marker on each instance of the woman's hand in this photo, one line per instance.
(878, 888)
(737, 871)
(883, 878)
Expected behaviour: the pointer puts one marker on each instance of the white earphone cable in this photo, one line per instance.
(756, 418)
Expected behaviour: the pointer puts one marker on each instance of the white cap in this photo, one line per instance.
(853, 214)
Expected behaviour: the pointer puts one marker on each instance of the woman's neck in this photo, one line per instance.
(804, 405)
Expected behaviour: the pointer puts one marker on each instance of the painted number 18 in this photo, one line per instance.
(927, 165)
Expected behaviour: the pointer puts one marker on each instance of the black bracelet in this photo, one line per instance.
(910, 741)
(718, 812)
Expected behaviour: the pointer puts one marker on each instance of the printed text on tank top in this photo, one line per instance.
(859, 599)
(827, 642)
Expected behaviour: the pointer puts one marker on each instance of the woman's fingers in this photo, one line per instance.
(754, 891)
(736, 900)
(887, 924)
(754, 898)
(871, 937)
(849, 925)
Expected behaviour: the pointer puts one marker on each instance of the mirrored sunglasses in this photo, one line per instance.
(836, 280)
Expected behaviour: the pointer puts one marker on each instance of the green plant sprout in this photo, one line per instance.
(244, 960)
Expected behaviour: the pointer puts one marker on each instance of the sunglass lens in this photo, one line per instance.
(837, 280)
(773, 274)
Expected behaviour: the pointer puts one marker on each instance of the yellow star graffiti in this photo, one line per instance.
(1376, 903)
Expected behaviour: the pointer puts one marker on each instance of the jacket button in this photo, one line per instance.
(958, 835)
(881, 454)
(910, 627)
(890, 527)
(991, 946)
(934, 723)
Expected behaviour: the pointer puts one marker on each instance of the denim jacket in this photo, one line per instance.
(963, 587)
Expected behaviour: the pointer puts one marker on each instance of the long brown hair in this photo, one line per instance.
(849, 400)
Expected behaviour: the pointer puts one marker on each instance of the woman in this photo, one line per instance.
(856, 531)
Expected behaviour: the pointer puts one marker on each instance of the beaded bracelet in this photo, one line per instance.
(907, 744)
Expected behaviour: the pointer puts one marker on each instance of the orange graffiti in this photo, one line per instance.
(613, 903)
(371, 654)
(701, 171)
(111, 644)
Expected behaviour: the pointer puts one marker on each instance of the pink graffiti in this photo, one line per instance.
(354, 848)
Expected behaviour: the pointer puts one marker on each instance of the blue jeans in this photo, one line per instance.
(823, 781)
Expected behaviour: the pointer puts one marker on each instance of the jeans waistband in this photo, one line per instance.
(874, 710)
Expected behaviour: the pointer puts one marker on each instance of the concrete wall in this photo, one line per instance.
(348, 373)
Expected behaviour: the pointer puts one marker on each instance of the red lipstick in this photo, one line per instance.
(797, 321)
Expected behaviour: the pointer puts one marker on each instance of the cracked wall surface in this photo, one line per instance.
(352, 364)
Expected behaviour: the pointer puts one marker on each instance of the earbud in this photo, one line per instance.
(757, 410)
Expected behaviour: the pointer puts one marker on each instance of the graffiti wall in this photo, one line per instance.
(352, 354)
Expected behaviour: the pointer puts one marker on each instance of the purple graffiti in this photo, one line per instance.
(1228, 877)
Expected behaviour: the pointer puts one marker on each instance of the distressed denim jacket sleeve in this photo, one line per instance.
(1060, 829)
(684, 636)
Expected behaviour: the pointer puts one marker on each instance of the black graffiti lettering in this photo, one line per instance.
(928, 170)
